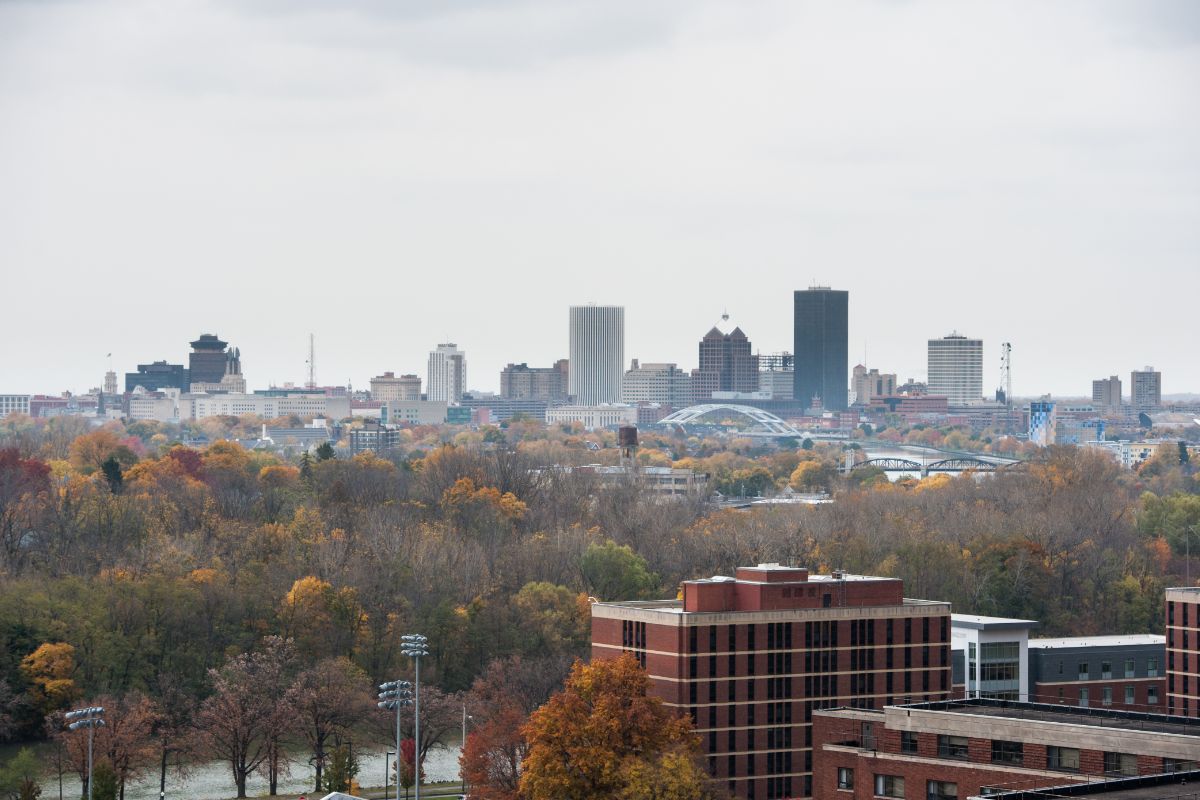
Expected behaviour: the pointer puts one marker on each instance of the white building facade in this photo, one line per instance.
(267, 406)
(597, 354)
(447, 373)
(14, 404)
(605, 415)
(995, 652)
(956, 369)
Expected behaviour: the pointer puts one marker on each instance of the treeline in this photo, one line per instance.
(152, 561)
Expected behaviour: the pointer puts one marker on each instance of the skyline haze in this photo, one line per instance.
(390, 177)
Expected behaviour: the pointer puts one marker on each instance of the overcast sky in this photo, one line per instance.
(389, 175)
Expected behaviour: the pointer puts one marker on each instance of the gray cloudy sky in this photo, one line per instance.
(389, 175)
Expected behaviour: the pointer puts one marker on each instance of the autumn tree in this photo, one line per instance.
(603, 737)
(492, 755)
(22, 481)
(328, 699)
(50, 671)
(321, 620)
(124, 743)
(244, 720)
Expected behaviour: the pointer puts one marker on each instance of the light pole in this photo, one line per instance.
(415, 646)
(87, 718)
(466, 717)
(394, 695)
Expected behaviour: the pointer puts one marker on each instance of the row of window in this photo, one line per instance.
(893, 786)
(1007, 752)
(824, 634)
(1106, 669)
(1106, 696)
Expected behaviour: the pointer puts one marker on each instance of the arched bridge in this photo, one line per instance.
(766, 423)
(957, 464)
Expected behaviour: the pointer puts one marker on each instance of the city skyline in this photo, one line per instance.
(293, 370)
(691, 157)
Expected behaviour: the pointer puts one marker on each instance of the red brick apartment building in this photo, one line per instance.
(966, 748)
(1183, 651)
(751, 658)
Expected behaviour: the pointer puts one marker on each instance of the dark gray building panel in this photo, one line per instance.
(821, 355)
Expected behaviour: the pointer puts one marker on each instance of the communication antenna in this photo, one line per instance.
(1006, 371)
(312, 364)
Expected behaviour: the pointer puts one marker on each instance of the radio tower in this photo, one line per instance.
(312, 364)
(1006, 381)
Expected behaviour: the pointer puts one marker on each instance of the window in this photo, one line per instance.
(1083, 670)
(1105, 670)
(845, 778)
(1128, 695)
(908, 742)
(1152, 695)
(889, 786)
(1129, 668)
(1151, 667)
(1106, 696)
(952, 747)
(1120, 764)
(1083, 697)
(1062, 758)
(1007, 752)
(941, 790)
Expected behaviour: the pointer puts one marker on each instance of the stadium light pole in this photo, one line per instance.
(415, 647)
(394, 695)
(89, 718)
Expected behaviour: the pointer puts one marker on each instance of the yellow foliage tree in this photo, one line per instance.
(50, 670)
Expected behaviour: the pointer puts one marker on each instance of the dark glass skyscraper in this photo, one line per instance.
(206, 362)
(821, 350)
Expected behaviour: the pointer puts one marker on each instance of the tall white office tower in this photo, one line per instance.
(447, 373)
(956, 369)
(597, 354)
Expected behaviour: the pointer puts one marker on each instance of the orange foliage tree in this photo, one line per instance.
(603, 737)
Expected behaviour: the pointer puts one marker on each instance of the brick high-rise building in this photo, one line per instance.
(750, 658)
(1183, 651)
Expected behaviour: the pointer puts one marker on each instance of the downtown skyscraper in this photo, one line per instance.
(956, 369)
(447, 373)
(822, 362)
(597, 354)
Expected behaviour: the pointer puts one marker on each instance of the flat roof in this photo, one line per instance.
(981, 623)
(676, 606)
(1118, 640)
(1145, 787)
(812, 578)
(1066, 715)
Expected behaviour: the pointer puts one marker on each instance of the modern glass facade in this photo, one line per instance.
(822, 361)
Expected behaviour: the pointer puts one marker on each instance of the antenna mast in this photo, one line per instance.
(312, 364)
